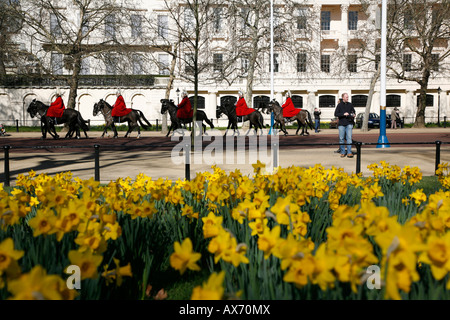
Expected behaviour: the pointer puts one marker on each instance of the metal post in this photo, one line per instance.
(439, 105)
(445, 121)
(157, 125)
(17, 125)
(187, 161)
(358, 157)
(438, 155)
(275, 153)
(7, 174)
(97, 162)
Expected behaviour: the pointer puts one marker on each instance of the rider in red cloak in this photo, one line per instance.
(185, 108)
(119, 107)
(241, 106)
(288, 107)
(57, 107)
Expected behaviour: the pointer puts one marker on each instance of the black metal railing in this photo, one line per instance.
(274, 146)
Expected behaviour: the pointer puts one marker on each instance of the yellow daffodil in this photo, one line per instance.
(184, 258)
(87, 261)
(212, 289)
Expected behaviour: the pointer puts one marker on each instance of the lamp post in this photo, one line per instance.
(178, 95)
(439, 105)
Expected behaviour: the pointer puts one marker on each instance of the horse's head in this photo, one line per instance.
(165, 105)
(32, 108)
(98, 107)
(219, 111)
(272, 106)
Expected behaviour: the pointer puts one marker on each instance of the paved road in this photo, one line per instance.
(152, 153)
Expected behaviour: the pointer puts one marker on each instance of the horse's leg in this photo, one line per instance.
(139, 131)
(298, 127)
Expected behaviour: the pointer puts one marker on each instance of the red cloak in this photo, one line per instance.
(119, 108)
(242, 109)
(56, 109)
(185, 109)
(288, 109)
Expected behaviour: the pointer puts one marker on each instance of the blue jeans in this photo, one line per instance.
(317, 124)
(345, 133)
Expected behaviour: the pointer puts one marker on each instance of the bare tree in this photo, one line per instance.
(61, 36)
(418, 44)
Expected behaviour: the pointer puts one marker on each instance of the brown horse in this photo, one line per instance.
(303, 118)
(177, 123)
(132, 118)
(255, 118)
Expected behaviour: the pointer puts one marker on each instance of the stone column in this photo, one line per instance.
(409, 107)
(343, 39)
(311, 102)
(211, 104)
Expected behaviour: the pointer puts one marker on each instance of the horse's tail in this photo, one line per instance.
(205, 117)
(142, 117)
(82, 122)
(309, 119)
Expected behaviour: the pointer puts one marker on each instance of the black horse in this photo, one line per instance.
(132, 118)
(303, 118)
(70, 116)
(228, 108)
(177, 123)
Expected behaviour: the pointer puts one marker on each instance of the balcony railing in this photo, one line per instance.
(84, 81)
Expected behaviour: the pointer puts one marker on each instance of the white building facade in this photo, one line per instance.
(316, 76)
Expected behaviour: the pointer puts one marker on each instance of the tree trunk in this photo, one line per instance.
(373, 82)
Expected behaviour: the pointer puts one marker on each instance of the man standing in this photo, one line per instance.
(346, 115)
(394, 116)
(317, 114)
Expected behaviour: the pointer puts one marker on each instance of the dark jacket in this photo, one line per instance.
(342, 108)
(317, 115)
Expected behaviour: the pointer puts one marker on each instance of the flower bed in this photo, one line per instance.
(299, 233)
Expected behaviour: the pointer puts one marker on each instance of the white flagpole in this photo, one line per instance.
(383, 138)
(271, 65)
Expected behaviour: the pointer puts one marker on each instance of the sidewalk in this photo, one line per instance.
(160, 164)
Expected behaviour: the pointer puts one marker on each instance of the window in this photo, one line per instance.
(352, 63)
(260, 102)
(302, 18)
(408, 22)
(407, 59)
(85, 28)
(110, 30)
(359, 100)
(377, 61)
(189, 20)
(393, 100)
(245, 18)
(325, 17)
(218, 62)
(137, 64)
(200, 102)
(136, 26)
(325, 63)
(353, 20)
(297, 101)
(85, 66)
(429, 102)
(327, 101)
(163, 26)
(275, 63)
(57, 63)
(245, 61)
(229, 99)
(217, 22)
(189, 63)
(163, 60)
(435, 62)
(55, 28)
(110, 64)
(301, 62)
